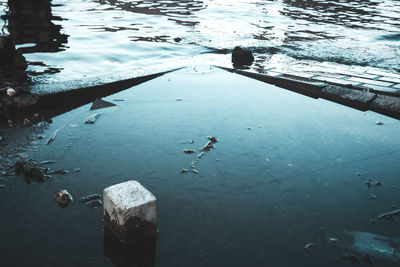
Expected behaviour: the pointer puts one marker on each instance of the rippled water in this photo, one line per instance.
(75, 38)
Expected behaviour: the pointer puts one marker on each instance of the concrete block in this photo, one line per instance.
(130, 211)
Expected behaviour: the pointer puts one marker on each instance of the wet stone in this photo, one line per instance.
(63, 198)
(242, 57)
(130, 211)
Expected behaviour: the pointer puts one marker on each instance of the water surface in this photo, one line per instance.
(79, 38)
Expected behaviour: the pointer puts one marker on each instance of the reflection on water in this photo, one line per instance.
(141, 253)
(111, 35)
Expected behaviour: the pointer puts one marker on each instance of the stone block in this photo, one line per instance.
(130, 211)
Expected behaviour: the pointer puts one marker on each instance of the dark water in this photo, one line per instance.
(71, 39)
(280, 172)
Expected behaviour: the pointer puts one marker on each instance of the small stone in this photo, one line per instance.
(179, 99)
(76, 170)
(195, 171)
(11, 92)
(64, 198)
(378, 183)
(358, 174)
(177, 39)
(379, 123)
(242, 57)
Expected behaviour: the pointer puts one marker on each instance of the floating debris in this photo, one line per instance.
(63, 198)
(189, 151)
(358, 174)
(378, 183)
(373, 196)
(76, 170)
(389, 215)
(120, 100)
(46, 162)
(308, 247)
(61, 171)
(212, 139)
(73, 125)
(179, 99)
(51, 139)
(208, 146)
(379, 123)
(90, 197)
(200, 155)
(184, 170)
(29, 170)
(2, 186)
(100, 103)
(195, 171)
(92, 118)
(94, 203)
(368, 183)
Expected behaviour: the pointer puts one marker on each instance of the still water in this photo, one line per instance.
(281, 176)
(73, 39)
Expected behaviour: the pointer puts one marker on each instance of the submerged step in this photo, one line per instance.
(130, 211)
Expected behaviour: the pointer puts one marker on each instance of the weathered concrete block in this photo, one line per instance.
(130, 211)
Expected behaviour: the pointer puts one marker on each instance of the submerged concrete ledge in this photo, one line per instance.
(52, 99)
(386, 102)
